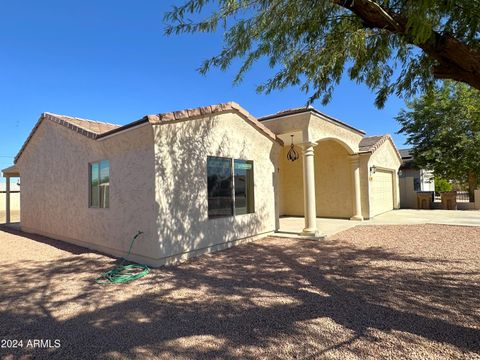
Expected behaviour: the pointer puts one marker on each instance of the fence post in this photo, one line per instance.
(477, 199)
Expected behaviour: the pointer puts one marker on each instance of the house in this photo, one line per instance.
(198, 180)
(413, 179)
(423, 180)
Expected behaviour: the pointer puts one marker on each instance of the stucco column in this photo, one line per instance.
(7, 201)
(310, 211)
(357, 195)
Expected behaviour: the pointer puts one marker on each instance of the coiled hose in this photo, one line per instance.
(124, 273)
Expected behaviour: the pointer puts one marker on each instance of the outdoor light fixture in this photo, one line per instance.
(292, 154)
(400, 172)
(373, 170)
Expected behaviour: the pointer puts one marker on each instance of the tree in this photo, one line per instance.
(393, 46)
(443, 126)
(442, 185)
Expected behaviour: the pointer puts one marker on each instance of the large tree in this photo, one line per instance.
(443, 126)
(393, 46)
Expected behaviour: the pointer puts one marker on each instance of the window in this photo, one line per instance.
(99, 184)
(243, 178)
(416, 184)
(220, 186)
(230, 187)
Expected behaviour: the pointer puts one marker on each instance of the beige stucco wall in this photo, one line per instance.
(333, 182)
(54, 197)
(321, 129)
(290, 184)
(181, 150)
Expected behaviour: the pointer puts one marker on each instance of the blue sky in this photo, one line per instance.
(109, 61)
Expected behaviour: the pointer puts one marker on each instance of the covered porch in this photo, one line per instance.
(320, 173)
(8, 215)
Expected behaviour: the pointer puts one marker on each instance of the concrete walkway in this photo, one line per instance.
(292, 226)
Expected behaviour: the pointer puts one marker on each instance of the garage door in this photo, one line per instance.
(381, 192)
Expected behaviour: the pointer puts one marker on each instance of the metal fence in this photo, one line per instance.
(462, 196)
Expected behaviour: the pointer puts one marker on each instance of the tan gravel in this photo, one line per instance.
(372, 292)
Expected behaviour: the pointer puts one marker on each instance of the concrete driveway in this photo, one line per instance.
(292, 226)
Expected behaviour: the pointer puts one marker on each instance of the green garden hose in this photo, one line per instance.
(124, 273)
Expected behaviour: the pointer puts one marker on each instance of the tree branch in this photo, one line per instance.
(455, 60)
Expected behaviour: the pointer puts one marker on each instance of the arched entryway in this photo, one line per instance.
(334, 182)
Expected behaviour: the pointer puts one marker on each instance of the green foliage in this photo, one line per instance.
(442, 185)
(311, 43)
(444, 128)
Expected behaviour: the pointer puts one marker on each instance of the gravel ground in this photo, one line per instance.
(372, 292)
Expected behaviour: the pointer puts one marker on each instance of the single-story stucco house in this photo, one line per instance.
(198, 180)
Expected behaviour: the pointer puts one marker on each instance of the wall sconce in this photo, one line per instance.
(400, 172)
(292, 154)
(373, 170)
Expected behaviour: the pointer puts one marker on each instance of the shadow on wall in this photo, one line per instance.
(277, 297)
(181, 184)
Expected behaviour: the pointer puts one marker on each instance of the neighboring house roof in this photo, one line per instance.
(97, 129)
(372, 143)
(406, 153)
(300, 110)
(407, 160)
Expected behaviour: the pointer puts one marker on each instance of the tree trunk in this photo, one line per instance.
(472, 185)
(454, 59)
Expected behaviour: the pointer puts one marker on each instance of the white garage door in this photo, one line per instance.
(381, 192)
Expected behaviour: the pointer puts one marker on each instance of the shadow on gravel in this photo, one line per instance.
(244, 302)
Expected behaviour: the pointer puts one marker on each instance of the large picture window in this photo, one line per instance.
(230, 187)
(99, 184)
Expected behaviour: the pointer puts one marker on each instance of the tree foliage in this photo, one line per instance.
(443, 126)
(442, 185)
(393, 46)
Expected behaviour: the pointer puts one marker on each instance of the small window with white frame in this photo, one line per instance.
(99, 184)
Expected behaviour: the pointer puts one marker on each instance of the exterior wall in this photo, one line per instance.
(321, 129)
(408, 197)
(423, 177)
(181, 204)
(386, 157)
(333, 180)
(55, 190)
(291, 184)
(364, 184)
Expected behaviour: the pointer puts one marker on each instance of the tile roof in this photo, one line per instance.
(209, 110)
(299, 110)
(97, 129)
(372, 143)
(89, 128)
